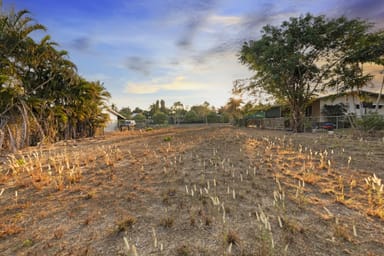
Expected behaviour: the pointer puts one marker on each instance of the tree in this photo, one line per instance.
(137, 110)
(233, 109)
(42, 97)
(163, 108)
(303, 56)
(139, 117)
(191, 117)
(126, 112)
(178, 111)
(202, 112)
(160, 118)
(360, 48)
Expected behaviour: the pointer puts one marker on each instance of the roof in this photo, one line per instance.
(345, 93)
(114, 112)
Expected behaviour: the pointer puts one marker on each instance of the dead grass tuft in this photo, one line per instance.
(232, 237)
(126, 223)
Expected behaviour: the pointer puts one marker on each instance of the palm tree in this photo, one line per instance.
(14, 45)
(41, 94)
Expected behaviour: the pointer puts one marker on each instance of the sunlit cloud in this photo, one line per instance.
(225, 20)
(177, 84)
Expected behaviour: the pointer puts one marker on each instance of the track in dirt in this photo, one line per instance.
(199, 190)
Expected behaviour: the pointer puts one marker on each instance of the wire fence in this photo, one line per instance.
(368, 122)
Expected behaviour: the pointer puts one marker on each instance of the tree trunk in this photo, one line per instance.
(297, 119)
(379, 96)
(1, 138)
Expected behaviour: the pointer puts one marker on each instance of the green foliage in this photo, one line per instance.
(27, 243)
(42, 97)
(167, 139)
(212, 117)
(334, 110)
(371, 122)
(160, 118)
(126, 112)
(191, 117)
(139, 117)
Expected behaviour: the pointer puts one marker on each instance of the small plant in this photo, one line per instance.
(131, 249)
(375, 190)
(126, 223)
(207, 220)
(167, 139)
(27, 243)
(342, 231)
(340, 186)
(183, 250)
(300, 195)
(167, 222)
(232, 238)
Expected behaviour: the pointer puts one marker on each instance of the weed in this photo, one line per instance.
(58, 233)
(89, 195)
(27, 243)
(183, 250)
(342, 231)
(231, 237)
(126, 223)
(292, 226)
(207, 220)
(167, 139)
(375, 191)
(192, 220)
(167, 222)
(341, 196)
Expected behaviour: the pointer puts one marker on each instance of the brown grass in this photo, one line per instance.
(84, 197)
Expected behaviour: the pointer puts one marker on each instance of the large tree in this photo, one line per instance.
(304, 55)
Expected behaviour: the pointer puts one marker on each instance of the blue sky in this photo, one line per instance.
(176, 50)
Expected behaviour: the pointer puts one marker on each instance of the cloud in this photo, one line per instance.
(366, 9)
(179, 83)
(138, 64)
(225, 19)
(197, 13)
(81, 43)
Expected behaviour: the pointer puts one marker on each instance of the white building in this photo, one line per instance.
(113, 123)
(358, 104)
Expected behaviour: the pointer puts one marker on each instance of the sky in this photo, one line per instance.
(175, 50)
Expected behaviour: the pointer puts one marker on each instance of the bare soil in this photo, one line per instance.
(195, 190)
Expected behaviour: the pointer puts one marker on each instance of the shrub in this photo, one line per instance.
(371, 122)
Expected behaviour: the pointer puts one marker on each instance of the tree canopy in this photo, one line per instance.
(42, 97)
(303, 56)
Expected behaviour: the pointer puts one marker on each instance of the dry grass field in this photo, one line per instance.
(197, 190)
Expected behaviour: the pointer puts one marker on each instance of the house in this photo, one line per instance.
(359, 104)
(114, 118)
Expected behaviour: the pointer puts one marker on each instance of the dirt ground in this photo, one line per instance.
(195, 190)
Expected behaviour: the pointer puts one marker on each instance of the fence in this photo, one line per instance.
(320, 122)
(327, 122)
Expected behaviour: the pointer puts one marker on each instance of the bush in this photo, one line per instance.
(160, 118)
(371, 122)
